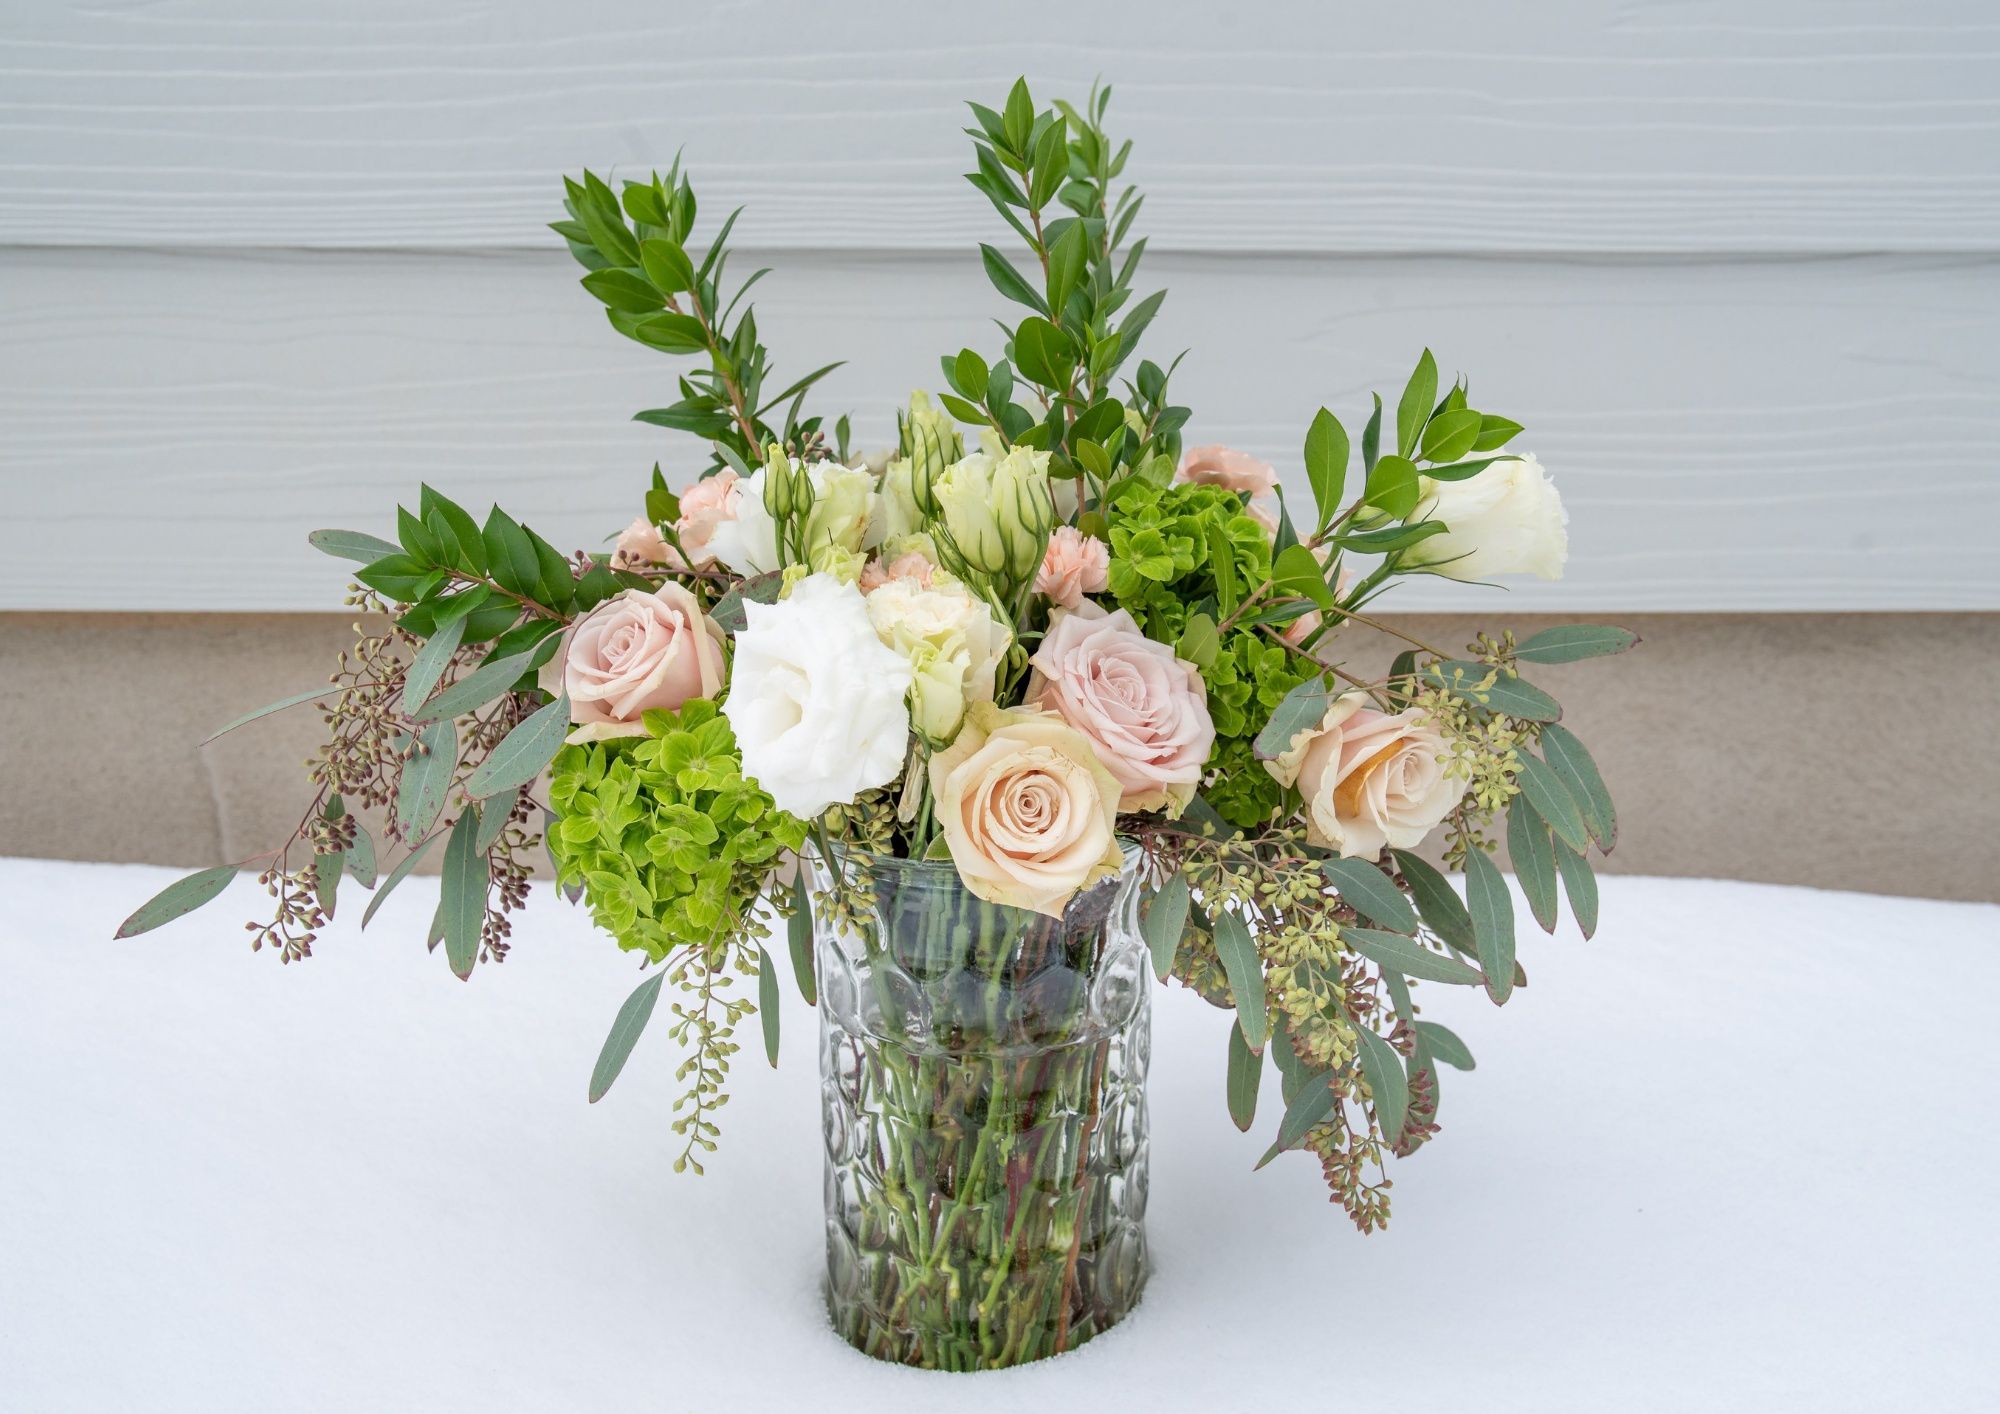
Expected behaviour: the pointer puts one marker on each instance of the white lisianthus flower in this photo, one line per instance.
(930, 443)
(1506, 520)
(844, 515)
(997, 510)
(950, 640)
(816, 699)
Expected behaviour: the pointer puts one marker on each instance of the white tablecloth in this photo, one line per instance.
(1738, 1152)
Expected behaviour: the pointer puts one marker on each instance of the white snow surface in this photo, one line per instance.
(1738, 1152)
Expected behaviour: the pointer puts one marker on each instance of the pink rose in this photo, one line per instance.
(912, 565)
(641, 544)
(1231, 470)
(1074, 565)
(1142, 708)
(633, 654)
(705, 505)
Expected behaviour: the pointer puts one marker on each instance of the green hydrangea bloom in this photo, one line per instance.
(668, 839)
(1169, 543)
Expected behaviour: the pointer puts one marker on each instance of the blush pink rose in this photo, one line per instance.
(1074, 565)
(632, 654)
(705, 505)
(640, 544)
(1143, 709)
(912, 565)
(1232, 470)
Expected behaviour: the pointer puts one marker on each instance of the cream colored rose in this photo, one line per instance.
(1026, 807)
(1074, 565)
(951, 641)
(1369, 778)
(1144, 709)
(1506, 520)
(1232, 470)
(633, 654)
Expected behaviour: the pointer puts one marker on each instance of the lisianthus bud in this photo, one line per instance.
(780, 496)
(930, 444)
(1027, 511)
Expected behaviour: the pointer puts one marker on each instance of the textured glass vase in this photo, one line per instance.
(983, 1083)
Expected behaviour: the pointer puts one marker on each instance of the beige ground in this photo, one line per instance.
(1849, 751)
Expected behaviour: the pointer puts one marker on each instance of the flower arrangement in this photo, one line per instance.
(1039, 642)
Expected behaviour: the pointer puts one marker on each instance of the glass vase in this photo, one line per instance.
(983, 1076)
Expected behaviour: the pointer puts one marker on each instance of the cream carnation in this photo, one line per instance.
(1026, 807)
(635, 653)
(1369, 778)
(816, 699)
(1144, 709)
(1508, 519)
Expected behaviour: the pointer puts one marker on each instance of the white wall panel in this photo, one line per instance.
(1732, 435)
(1562, 125)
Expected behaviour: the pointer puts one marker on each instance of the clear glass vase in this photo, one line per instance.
(982, 1076)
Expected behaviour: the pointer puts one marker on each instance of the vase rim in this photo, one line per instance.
(936, 868)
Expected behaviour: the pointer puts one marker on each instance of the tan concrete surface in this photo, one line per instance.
(1847, 751)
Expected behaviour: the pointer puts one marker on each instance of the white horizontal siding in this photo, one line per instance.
(1728, 435)
(1565, 125)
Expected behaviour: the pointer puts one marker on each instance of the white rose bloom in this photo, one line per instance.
(844, 516)
(950, 640)
(816, 699)
(1506, 520)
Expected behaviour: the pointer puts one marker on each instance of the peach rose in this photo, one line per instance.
(705, 505)
(1074, 565)
(1027, 808)
(1369, 778)
(913, 565)
(641, 544)
(1232, 470)
(1145, 710)
(632, 654)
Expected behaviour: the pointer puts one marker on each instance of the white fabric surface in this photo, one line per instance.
(1735, 1153)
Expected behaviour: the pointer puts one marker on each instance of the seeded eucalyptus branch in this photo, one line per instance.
(656, 292)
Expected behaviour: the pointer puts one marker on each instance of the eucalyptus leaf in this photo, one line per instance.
(626, 1029)
(1511, 696)
(1580, 883)
(1310, 1106)
(767, 1003)
(491, 679)
(352, 545)
(426, 778)
(1164, 921)
(1245, 971)
(523, 753)
(430, 662)
(1534, 858)
(183, 896)
(1492, 909)
(396, 876)
(1444, 1045)
(295, 700)
(1387, 1085)
(1443, 911)
(1545, 791)
(1395, 953)
(1579, 772)
(361, 857)
(1246, 1071)
(1372, 893)
(799, 936)
(1570, 643)
(463, 895)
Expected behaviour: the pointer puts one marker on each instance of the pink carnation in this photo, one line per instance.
(1232, 470)
(911, 565)
(705, 505)
(1074, 565)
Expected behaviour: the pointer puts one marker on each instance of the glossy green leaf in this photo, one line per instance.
(1492, 910)
(426, 778)
(626, 1028)
(1570, 643)
(1372, 893)
(463, 893)
(1326, 464)
(524, 753)
(1450, 435)
(1007, 280)
(1580, 883)
(295, 700)
(1246, 1072)
(1545, 791)
(623, 291)
(1579, 772)
(1410, 958)
(1414, 408)
(1387, 1085)
(1459, 471)
(1443, 911)
(1245, 971)
(1066, 266)
(1371, 438)
(767, 1003)
(351, 545)
(1164, 921)
(183, 896)
(1392, 486)
(1444, 1045)
(1534, 858)
(1297, 571)
(666, 265)
(1494, 433)
(396, 876)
